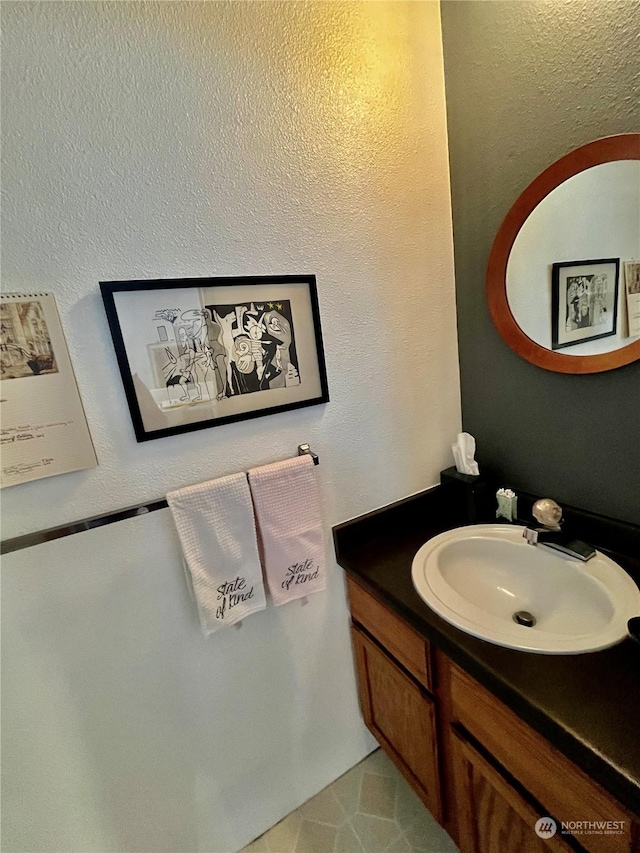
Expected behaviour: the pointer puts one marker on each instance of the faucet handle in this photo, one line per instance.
(548, 513)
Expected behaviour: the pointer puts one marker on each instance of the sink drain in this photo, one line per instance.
(523, 617)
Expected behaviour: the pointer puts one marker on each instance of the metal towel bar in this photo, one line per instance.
(40, 536)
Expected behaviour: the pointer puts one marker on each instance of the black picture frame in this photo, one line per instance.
(195, 353)
(584, 301)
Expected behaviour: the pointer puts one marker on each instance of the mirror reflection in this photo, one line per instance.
(565, 281)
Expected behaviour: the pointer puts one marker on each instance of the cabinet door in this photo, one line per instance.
(491, 815)
(401, 718)
(541, 769)
(398, 639)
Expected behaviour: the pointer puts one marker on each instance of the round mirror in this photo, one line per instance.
(563, 281)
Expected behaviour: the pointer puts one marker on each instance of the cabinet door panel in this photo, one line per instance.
(492, 816)
(401, 641)
(400, 717)
(541, 768)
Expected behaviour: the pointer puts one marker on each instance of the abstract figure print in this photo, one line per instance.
(253, 347)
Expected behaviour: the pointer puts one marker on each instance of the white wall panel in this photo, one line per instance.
(124, 729)
(173, 139)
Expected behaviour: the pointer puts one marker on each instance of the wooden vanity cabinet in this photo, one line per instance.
(492, 816)
(404, 644)
(484, 774)
(548, 778)
(401, 716)
(394, 699)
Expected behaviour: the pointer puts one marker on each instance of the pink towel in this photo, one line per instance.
(287, 509)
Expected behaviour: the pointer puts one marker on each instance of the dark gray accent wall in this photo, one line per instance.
(525, 84)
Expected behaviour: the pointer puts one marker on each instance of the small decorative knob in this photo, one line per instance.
(548, 513)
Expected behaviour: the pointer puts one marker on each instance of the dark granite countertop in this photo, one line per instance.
(586, 705)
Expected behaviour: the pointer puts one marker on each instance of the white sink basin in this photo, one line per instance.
(478, 577)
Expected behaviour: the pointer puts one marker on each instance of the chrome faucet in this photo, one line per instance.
(549, 515)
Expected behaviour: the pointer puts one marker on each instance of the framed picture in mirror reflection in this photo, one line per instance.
(584, 301)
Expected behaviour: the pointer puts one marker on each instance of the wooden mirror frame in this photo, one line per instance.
(622, 147)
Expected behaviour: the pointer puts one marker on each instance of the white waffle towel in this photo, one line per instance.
(217, 532)
(287, 507)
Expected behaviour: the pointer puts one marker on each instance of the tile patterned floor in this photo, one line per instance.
(371, 809)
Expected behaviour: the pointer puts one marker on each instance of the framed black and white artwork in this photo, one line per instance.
(200, 352)
(584, 301)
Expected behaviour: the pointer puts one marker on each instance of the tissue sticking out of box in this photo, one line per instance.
(464, 451)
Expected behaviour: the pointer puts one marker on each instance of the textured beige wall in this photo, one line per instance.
(197, 139)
